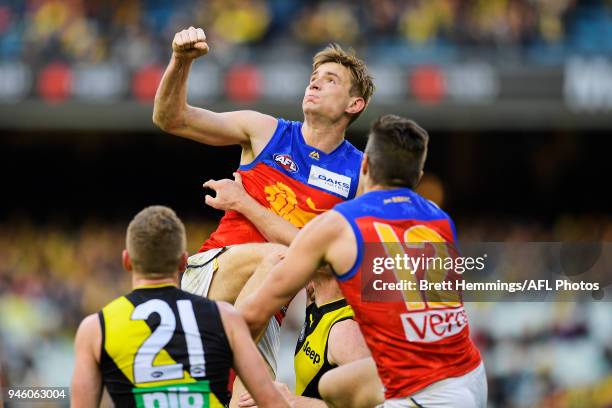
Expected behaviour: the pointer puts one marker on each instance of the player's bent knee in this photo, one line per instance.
(247, 257)
(238, 264)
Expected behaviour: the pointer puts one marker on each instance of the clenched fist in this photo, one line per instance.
(190, 43)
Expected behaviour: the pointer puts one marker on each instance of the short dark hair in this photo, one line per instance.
(396, 149)
(155, 241)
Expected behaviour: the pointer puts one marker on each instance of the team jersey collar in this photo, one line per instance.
(321, 152)
(331, 306)
(155, 286)
(392, 191)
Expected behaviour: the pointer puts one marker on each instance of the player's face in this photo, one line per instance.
(328, 92)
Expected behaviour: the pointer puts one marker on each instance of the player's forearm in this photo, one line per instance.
(254, 317)
(171, 96)
(273, 227)
(271, 398)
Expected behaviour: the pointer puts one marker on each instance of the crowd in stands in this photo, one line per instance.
(50, 277)
(136, 32)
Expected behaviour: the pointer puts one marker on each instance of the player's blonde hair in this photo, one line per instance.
(362, 82)
(155, 241)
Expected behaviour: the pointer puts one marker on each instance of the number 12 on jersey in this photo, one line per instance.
(415, 238)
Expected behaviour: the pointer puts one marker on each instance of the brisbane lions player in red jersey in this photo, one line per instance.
(290, 172)
(421, 348)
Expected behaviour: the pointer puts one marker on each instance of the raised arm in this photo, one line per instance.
(173, 114)
(248, 363)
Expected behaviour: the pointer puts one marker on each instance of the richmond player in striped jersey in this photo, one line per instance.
(159, 346)
(330, 338)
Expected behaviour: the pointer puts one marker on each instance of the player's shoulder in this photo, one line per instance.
(116, 302)
(343, 329)
(345, 342)
(355, 207)
(283, 130)
(89, 323)
(352, 150)
(88, 334)
(286, 124)
(229, 315)
(331, 220)
(429, 208)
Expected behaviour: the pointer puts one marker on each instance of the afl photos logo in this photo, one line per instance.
(286, 162)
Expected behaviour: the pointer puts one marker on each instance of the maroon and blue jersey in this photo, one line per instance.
(293, 180)
(416, 339)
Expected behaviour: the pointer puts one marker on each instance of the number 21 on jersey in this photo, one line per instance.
(144, 370)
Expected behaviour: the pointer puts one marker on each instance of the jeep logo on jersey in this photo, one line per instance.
(311, 354)
(330, 181)
(286, 162)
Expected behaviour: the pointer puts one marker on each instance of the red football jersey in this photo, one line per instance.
(293, 180)
(414, 338)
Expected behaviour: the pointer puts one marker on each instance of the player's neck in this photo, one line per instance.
(326, 291)
(139, 280)
(369, 185)
(323, 135)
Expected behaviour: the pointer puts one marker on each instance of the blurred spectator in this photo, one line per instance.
(536, 353)
(322, 22)
(139, 31)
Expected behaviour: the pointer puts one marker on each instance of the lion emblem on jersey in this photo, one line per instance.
(283, 201)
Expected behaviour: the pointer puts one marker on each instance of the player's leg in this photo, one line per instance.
(269, 342)
(264, 266)
(235, 266)
(239, 389)
(352, 385)
(467, 391)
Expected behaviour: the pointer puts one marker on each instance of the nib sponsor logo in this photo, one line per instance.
(286, 162)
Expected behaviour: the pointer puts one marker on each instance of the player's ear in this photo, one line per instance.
(420, 178)
(183, 262)
(364, 165)
(356, 105)
(126, 261)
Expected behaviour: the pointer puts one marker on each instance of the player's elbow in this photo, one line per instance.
(164, 121)
(254, 319)
(168, 118)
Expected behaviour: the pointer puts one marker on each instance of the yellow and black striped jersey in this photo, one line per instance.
(311, 351)
(164, 347)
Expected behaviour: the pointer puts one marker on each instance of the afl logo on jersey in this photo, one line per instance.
(286, 162)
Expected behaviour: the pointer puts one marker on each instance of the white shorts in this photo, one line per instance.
(197, 279)
(467, 391)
